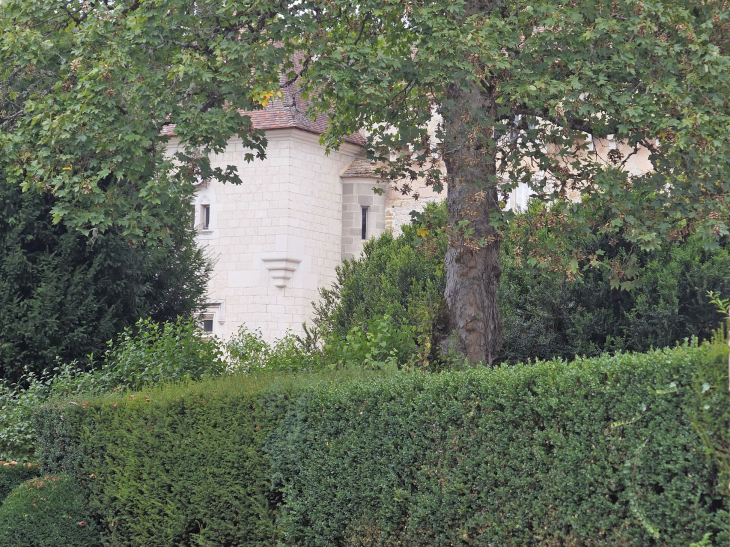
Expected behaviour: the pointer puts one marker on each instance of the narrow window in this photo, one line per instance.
(364, 223)
(205, 216)
(193, 219)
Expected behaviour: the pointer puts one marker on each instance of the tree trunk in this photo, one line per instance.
(472, 259)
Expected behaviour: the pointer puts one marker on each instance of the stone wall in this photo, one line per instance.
(275, 238)
(358, 196)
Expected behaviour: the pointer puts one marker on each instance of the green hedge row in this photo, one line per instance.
(601, 451)
(172, 468)
(597, 452)
(12, 474)
(47, 511)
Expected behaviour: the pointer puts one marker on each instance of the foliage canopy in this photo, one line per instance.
(517, 90)
(87, 89)
(63, 295)
(553, 75)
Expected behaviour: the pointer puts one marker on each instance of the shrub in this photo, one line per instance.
(646, 299)
(381, 345)
(13, 473)
(158, 352)
(250, 353)
(17, 435)
(397, 277)
(152, 354)
(19, 403)
(600, 451)
(64, 294)
(47, 511)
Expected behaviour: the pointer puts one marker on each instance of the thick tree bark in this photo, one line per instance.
(472, 269)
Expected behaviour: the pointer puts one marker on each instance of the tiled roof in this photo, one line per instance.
(361, 168)
(288, 112)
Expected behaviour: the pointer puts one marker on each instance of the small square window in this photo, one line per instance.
(207, 325)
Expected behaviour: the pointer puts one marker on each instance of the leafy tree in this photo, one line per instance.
(518, 89)
(90, 92)
(88, 87)
(65, 295)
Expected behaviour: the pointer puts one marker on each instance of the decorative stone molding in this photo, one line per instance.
(281, 267)
(218, 309)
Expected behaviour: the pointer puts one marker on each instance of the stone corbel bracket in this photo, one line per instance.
(281, 268)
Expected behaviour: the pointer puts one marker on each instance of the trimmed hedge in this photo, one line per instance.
(600, 451)
(172, 469)
(176, 466)
(47, 512)
(12, 474)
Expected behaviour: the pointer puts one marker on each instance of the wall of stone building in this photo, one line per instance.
(398, 211)
(358, 198)
(398, 207)
(276, 238)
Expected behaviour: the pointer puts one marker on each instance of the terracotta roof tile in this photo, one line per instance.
(361, 168)
(285, 113)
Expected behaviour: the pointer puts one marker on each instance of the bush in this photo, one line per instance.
(548, 313)
(645, 299)
(382, 345)
(402, 278)
(600, 451)
(13, 473)
(153, 353)
(149, 355)
(47, 512)
(379, 346)
(596, 452)
(17, 434)
(250, 353)
(64, 294)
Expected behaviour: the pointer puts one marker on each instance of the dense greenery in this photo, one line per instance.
(148, 354)
(548, 311)
(89, 87)
(401, 277)
(12, 474)
(178, 466)
(47, 511)
(508, 93)
(63, 295)
(599, 450)
(710, 413)
(249, 353)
